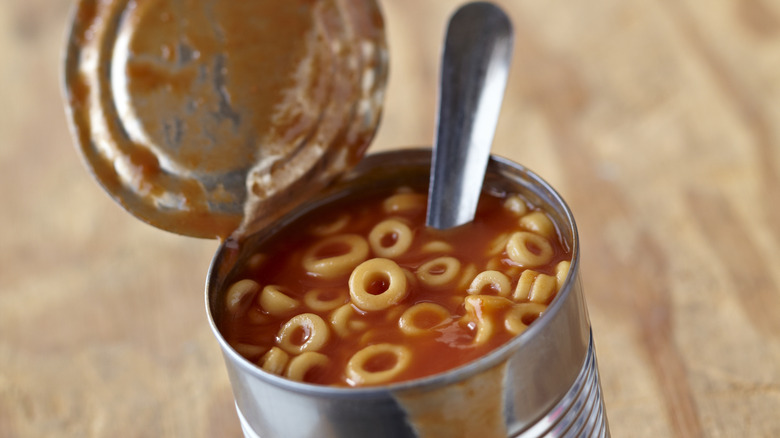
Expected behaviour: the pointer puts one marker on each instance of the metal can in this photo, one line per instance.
(543, 382)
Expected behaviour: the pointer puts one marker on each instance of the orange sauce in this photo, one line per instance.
(447, 344)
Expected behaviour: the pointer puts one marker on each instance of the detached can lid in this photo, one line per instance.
(209, 118)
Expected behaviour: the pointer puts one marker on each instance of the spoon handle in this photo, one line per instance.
(474, 70)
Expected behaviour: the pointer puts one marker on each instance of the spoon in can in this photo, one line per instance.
(474, 70)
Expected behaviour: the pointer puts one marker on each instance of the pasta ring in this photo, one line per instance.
(544, 289)
(400, 234)
(256, 261)
(332, 227)
(315, 334)
(437, 246)
(405, 203)
(494, 264)
(536, 287)
(480, 310)
(256, 316)
(301, 365)
(517, 248)
(240, 295)
(378, 271)
(539, 223)
(323, 300)
(343, 323)
(331, 266)
(369, 367)
(439, 271)
(561, 272)
(521, 315)
(432, 314)
(276, 302)
(274, 361)
(469, 272)
(494, 279)
(497, 245)
(516, 205)
(248, 351)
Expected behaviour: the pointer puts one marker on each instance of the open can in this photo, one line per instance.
(543, 382)
(231, 119)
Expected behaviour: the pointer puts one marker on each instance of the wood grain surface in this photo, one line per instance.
(657, 120)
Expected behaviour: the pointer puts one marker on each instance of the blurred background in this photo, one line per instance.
(658, 121)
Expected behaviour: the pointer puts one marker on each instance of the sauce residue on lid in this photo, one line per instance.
(211, 118)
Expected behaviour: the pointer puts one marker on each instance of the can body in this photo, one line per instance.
(543, 382)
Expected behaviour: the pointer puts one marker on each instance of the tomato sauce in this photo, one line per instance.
(446, 344)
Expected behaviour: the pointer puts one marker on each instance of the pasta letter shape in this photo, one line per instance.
(377, 284)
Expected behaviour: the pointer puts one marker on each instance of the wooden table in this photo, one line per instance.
(658, 121)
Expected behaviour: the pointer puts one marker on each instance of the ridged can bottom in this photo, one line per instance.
(580, 413)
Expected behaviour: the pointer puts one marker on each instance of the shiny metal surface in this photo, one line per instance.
(201, 118)
(546, 382)
(474, 70)
(580, 413)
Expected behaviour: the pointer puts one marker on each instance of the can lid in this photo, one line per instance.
(211, 118)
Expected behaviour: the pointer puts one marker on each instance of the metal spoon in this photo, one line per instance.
(474, 70)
